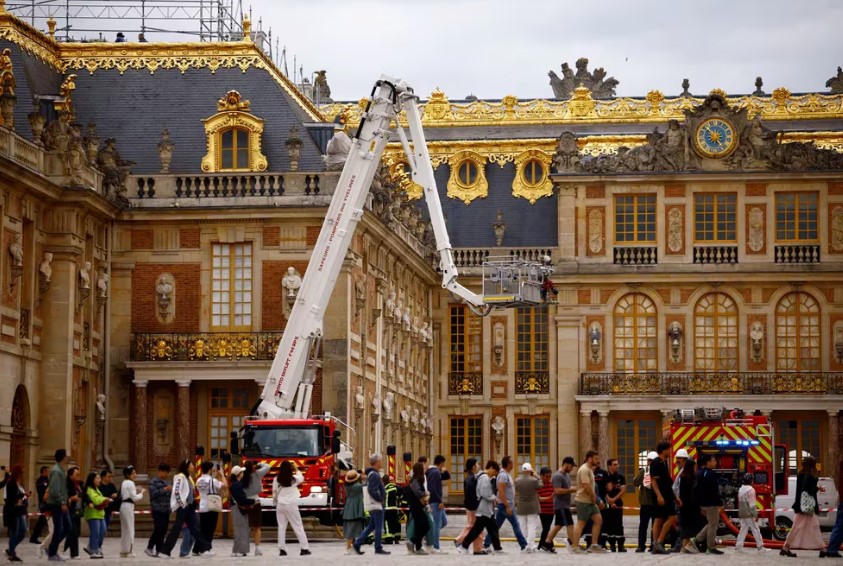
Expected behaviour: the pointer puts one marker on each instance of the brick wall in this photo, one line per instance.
(189, 238)
(188, 297)
(142, 240)
(272, 294)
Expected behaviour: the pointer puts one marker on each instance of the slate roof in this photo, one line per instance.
(32, 76)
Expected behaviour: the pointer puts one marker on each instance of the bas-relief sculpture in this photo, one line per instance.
(595, 230)
(837, 228)
(674, 230)
(756, 229)
(600, 86)
(756, 337)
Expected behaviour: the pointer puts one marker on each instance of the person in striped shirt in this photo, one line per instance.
(546, 508)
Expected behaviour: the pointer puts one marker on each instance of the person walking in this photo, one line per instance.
(664, 512)
(240, 509)
(505, 510)
(209, 485)
(129, 495)
(159, 503)
(57, 504)
(94, 514)
(436, 503)
(836, 538)
(646, 502)
(470, 502)
(689, 514)
(417, 499)
(183, 503)
(391, 519)
(748, 514)
(285, 494)
(805, 533)
(562, 492)
(586, 501)
(527, 504)
(613, 513)
(374, 497)
(109, 491)
(41, 492)
(353, 516)
(14, 511)
(679, 460)
(253, 484)
(545, 494)
(76, 510)
(707, 494)
(485, 518)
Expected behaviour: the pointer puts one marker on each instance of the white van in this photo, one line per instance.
(828, 499)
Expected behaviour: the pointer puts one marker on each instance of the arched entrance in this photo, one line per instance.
(20, 427)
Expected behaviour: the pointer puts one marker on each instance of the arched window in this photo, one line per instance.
(636, 339)
(234, 145)
(533, 173)
(798, 333)
(467, 174)
(716, 333)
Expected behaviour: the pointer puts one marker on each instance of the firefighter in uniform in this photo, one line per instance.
(392, 523)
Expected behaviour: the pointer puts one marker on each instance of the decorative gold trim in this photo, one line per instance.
(479, 189)
(582, 109)
(233, 113)
(520, 187)
(30, 40)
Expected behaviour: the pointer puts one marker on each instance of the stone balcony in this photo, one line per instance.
(204, 346)
(622, 384)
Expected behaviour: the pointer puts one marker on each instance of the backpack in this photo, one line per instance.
(745, 509)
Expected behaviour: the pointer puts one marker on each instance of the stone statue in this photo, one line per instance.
(75, 157)
(416, 325)
(835, 83)
(85, 276)
(321, 90)
(16, 250)
(567, 155)
(390, 303)
(102, 284)
(165, 150)
(415, 419)
(376, 405)
(686, 84)
(100, 407)
(425, 332)
(381, 195)
(398, 313)
(359, 398)
(756, 337)
(360, 293)
(408, 325)
(164, 290)
(405, 416)
(45, 269)
(291, 282)
(337, 150)
(758, 84)
(498, 426)
(600, 86)
(55, 136)
(671, 148)
(674, 332)
(388, 404)
(115, 171)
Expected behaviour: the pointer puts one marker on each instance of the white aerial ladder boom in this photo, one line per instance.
(289, 386)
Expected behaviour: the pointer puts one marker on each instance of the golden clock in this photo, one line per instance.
(715, 138)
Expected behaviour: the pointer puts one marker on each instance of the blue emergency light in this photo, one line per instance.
(736, 442)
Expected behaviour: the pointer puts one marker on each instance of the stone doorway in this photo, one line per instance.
(19, 449)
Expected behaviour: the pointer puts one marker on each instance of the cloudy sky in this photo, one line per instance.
(491, 48)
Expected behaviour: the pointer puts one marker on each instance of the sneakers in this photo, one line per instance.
(692, 549)
(356, 548)
(497, 551)
(97, 556)
(238, 554)
(282, 552)
(420, 551)
(596, 549)
(304, 552)
(382, 551)
(713, 551)
(56, 558)
(411, 548)
(577, 550)
(461, 550)
(658, 548)
(148, 551)
(258, 552)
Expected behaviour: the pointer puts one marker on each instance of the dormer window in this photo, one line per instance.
(234, 137)
(234, 154)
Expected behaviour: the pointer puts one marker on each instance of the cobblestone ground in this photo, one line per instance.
(327, 549)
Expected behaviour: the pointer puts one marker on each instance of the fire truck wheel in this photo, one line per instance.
(783, 526)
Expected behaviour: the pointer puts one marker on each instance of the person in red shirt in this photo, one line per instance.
(546, 507)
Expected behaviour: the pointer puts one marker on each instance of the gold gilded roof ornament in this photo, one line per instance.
(7, 75)
(247, 29)
(468, 176)
(581, 105)
(437, 107)
(532, 180)
(64, 104)
(232, 101)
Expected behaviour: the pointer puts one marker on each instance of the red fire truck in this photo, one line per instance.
(740, 443)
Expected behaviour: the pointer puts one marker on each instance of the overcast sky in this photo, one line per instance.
(491, 48)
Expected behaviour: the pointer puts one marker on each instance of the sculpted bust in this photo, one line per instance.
(85, 276)
(102, 284)
(45, 268)
(359, 398)
(408, 324)
(291, 281)
(390, 303)
(16, 250)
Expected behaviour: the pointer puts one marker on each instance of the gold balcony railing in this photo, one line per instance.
(205, 346)
(465, 383)
(712, 383)
(532, 382)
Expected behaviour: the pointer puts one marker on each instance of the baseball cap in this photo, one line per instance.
(681, 453)
(652, 455)
(237, 470)
(526, 467)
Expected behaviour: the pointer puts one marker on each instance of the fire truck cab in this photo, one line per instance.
(741, 443)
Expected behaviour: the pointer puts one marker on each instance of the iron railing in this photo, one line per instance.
(205, 346)
(532, 382)
(712, 383)
(465, 383)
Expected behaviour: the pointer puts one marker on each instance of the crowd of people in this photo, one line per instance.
(681, 513)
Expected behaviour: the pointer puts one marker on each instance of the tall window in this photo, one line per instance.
(466, 341)
(231, 297)
(228, 407)
(635, 437)
(798, 333)
(803, 438)
(715, 217)
(635, 219)
(532, 339)
(466, 442)
(796, 217)
(716, 333)
(532, 441)
(636, 341)
(235, 149)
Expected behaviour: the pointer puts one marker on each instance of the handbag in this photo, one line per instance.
(807, 504)
(214, 499)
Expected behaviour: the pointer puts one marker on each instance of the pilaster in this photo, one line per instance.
(183, 419)
(139, 426)
(832, 467)
(603, 436)
(586, 442)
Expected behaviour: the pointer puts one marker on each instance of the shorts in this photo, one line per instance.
(255, 515)
(665, 511)
(586, 510)
(562, 517)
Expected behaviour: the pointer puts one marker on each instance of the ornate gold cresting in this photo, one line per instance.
(522, 185)
(467, 192)
(233, 112)
(64, 104)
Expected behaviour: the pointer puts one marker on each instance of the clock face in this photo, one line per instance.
(715, 138)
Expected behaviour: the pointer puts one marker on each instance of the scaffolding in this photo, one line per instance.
(219, 20)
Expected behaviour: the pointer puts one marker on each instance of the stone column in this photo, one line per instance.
(667, 417)
(603, 436)
(833, 465)
(183, 419)
(586, 443)
(139, 427)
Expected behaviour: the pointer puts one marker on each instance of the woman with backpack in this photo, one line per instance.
(417, 498)
(253, 484)
(14, 511)
(748, 514)
(805, 533)
(242, 506)
(95, 514)
(210, 489)
(471, 502)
